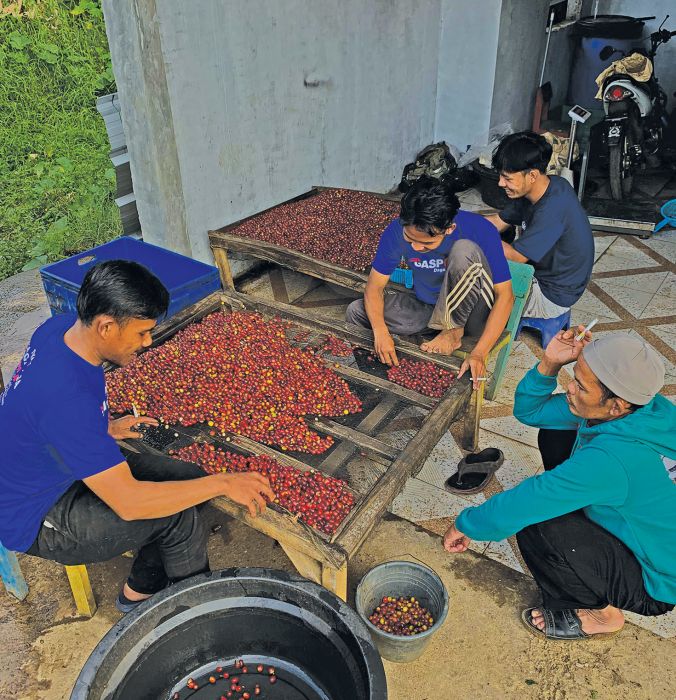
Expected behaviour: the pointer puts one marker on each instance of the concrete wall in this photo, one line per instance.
(665, 61)
(521, 44)
(467, 56)
(233, 106)
(264, 100)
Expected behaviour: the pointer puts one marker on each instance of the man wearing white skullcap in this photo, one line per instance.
(598, 528)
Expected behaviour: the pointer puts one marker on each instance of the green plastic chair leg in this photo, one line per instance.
(499, 370)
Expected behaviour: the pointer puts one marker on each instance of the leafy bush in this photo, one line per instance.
(56, 179)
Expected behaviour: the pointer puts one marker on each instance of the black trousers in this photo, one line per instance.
(577, 563)
(82, 529)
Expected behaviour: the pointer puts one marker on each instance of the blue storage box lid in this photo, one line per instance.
(173, 269)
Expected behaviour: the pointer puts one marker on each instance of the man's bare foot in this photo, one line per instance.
(606, 620)
(131, 594)
(445, 343)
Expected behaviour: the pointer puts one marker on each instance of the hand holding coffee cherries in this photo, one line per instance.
(251, 490)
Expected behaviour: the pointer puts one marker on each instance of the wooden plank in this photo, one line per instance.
(365, 442)
(286, 531)
(470, 432)
(335, 579)
(366, 379)
(287, 257)
(224, 269)
(346, 449)
(371, 509)
(82, 589)
(378, 415)
(362, 337)
(307, 566)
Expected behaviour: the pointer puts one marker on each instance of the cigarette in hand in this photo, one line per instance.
(581, 334)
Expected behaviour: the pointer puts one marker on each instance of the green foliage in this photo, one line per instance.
(56, 181)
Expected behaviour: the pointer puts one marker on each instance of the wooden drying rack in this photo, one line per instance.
(380, 468)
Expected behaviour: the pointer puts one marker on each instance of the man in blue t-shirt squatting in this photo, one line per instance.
(67, 493)
(554, 232)
(461, 280)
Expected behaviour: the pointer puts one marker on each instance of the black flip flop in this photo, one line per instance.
(560, 626)
(475, 471)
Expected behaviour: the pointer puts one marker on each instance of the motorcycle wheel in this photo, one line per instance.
(620, 169)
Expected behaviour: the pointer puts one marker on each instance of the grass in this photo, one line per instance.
(56, 179)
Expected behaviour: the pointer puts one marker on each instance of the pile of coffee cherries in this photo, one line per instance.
(239, 374)
(401, 616)
(336, 346)
(338, 226)
(423, 377)
(238, 683)
(318, 500)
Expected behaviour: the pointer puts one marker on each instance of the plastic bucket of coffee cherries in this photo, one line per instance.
(403, 604)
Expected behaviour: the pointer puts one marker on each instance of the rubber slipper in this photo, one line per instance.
(125, 605)
(475, 471)
(560, 626)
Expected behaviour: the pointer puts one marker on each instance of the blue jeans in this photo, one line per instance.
(81, 529)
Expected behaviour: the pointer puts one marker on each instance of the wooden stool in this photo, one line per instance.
(15, 583)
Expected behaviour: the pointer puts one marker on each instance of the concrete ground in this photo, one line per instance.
(482, 650)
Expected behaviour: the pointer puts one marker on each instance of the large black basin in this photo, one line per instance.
(321, 648)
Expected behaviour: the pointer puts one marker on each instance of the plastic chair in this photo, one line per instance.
(522, 279)
(668, 211)
(15, 583)
(548, 327)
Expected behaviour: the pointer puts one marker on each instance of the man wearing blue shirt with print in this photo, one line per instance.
(554, 232)
(67, 493)
(597, 528)
(461, 279)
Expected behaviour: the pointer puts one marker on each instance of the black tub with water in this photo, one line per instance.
(316, 644)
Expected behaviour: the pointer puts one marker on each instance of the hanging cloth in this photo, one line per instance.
(636, 66)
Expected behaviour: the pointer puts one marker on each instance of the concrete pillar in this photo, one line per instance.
(140, 73)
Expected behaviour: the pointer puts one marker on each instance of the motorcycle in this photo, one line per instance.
(635, 117)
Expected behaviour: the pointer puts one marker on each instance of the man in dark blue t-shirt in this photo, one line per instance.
(555, 235)
(461, 280)
(67, 493)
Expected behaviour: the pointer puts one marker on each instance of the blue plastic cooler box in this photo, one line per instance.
(186, 279)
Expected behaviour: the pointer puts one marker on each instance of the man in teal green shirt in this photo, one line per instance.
(598, 530)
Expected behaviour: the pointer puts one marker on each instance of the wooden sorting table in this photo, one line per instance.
(374, 462)
(224, 240)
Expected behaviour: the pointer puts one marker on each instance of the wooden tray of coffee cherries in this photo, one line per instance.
(371, 457)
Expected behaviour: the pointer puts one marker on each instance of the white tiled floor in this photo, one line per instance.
(641, 295)
(601, 244)
(589, 307)
(622, 255)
